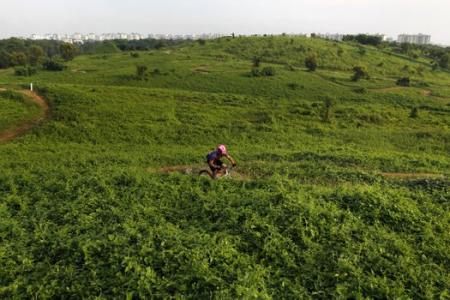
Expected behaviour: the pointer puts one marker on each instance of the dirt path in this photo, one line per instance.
(413, 175)
(423, 92)
(13, 132)
(194, 171)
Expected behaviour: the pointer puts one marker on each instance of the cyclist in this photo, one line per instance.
(213, 159)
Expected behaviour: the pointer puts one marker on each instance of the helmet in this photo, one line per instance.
(222, 149)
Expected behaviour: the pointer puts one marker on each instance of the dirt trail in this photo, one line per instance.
(13, 132)
(423, 92)
(413, 175)
(194, 170)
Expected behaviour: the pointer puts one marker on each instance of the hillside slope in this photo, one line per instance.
(352, 201)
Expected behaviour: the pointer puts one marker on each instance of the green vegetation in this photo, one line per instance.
(15, 109)
(84, 214)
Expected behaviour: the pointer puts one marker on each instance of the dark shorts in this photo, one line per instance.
(217, 163)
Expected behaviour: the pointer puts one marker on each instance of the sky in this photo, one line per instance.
(391, 17)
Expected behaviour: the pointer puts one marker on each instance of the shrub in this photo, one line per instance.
(255, 72)
(404, 81)
(25, 71)
(293, 86)
(360, 73)
(53, 65)
(360, 90)
(362, 51)
(328, 104)
(156, 72)
(268, 71)
(414, 113)
(311, 63)
(256, 61)
(134, 54)
(141, 72)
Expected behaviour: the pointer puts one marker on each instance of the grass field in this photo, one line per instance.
(355, 206)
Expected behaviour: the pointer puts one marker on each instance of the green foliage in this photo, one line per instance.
(53, 65)
(18, 59)
(255, 72)
(25, 71)
(359, 73)
(68, 51)
(404, 81)
(256, 61)
(268, 71)
(35, 54)
(134, 54)
(328, 105)
(141, 72)
(414, 113)
(444, 61)
(365, 39)
(86, 212)
(311, 63)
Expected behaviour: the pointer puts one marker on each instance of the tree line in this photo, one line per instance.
(16, 52)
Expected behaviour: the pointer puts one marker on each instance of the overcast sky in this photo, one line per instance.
(23, 17)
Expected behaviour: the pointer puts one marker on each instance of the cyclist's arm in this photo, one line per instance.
(231, 159)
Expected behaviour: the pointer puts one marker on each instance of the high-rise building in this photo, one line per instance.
(420, 39)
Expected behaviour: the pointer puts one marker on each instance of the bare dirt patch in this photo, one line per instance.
(13, 132)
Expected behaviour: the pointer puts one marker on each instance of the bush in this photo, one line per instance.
(141, 72)
(268, 71)
(360, 73)
(360, 90)
(293, 86)
(53, 65)
(404, 81)
(311, 63)
(256, 61)
(134, 54)
(414, 113)
(25, 71)
(156, 72)
(328, 105)
(255, 72)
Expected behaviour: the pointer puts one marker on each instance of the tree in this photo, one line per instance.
(5, 60)
(360, 73)
(35, 54)
(444, 61)
(68, 51)
(141, 72)
(311, 63)
(18, 59)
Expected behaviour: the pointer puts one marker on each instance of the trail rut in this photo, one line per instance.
(16, 131)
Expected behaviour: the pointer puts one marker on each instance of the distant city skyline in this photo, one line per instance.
(83, 37)
(178, 17)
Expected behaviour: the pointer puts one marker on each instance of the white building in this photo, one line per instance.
(420, 39)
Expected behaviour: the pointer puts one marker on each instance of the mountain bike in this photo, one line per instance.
(224, 172)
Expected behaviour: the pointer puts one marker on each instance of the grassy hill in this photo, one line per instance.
(355, 205)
